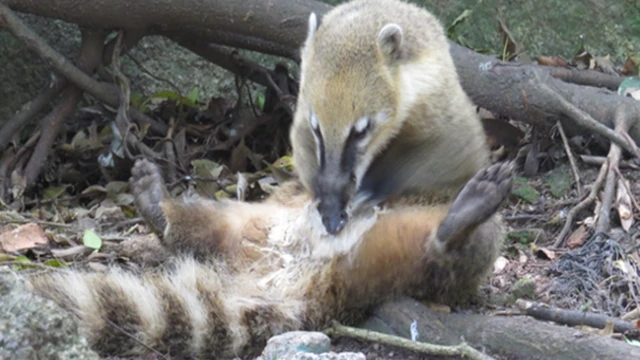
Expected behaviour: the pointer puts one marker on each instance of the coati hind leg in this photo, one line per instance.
(147, 186)
(476, 203)
(195, 226)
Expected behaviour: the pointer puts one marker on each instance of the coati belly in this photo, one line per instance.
(245, 272)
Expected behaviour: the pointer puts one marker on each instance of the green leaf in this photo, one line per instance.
(57, 263)
(459, 20)
(166, 94)
(260, 101)
(53, 192)
(194, 95)
(21, 259)
(91, 240)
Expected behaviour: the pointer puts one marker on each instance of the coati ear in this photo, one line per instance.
(390, 40)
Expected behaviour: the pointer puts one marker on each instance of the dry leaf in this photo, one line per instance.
(630, 68)
(623, 205)
(557, 61)
(578, 237)
(24, 237)
(548, 254)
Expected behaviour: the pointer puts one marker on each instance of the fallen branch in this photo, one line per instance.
(572, 317)
(462, 350)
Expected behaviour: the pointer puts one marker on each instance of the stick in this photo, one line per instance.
(462, 350)
(572, 160)
(572, 317)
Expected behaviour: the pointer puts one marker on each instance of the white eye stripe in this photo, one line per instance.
(314, 121)
(361, 124)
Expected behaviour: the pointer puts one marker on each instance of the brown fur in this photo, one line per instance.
(266, 268)
(430, 140)
(245, 272)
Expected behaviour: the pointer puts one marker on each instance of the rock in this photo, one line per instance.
(304, 345)
(32, 327)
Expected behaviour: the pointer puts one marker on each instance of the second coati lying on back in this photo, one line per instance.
(380, 113)
(262, 269)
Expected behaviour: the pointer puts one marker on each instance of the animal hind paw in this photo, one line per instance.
(147, 185)
(479, 199)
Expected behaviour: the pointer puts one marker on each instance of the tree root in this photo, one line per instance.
(29, 110)
(461, 350)
(593, 194)
(107, 93)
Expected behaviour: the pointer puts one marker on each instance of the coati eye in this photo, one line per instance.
(360, 128)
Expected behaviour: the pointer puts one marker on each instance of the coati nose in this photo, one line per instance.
(335, 223)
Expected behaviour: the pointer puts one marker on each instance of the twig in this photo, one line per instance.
(39, 222)
(582, 205)
(31, 264)
(572, 317)
(599, 160)
(572, 160)
(626, 187)
(462, 350)
(585, 120)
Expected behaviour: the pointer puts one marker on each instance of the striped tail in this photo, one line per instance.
(194, 310)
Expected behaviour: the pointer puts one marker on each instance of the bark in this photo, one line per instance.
(268, 26)
(279, 27)
(517, 337)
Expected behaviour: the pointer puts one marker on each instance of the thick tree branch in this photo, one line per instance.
(268, 26)
(279, 27)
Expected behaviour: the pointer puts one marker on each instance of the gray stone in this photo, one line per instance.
(32, 327)
(292, 342)
(304, 345)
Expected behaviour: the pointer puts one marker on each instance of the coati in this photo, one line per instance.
(381, 116)
(247, 271)
(380, 110)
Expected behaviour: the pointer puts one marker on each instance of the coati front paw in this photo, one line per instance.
(147, 185)
(477, 202)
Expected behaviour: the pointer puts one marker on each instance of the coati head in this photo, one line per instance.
(353, 100)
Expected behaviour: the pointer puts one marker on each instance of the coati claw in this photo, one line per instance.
(147, 185)
(479, 199)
